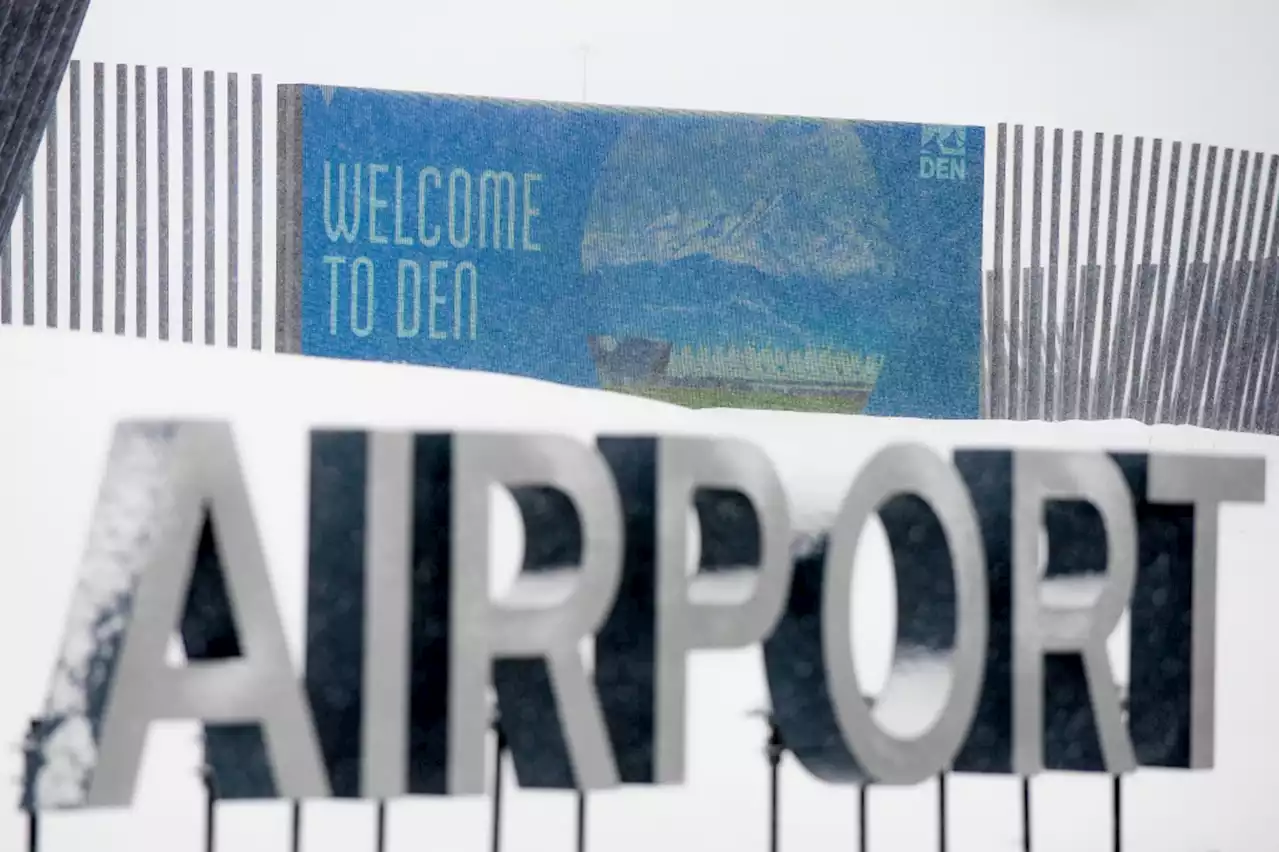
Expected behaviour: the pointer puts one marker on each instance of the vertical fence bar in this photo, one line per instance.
(233, 211)
(188, 207)
(51, 220)
(255, 297)
(988, 282)
(210, 226)
(1208, 327)
(288, 334)
(1124, 304)
(1241, 318)
(1146, 287)
(1227, 274)
(1035, 304)
(1053, 345)
(29, 252)
(1157, 346)
(1197, 308)
(73, 152)
(1106, 349)
(1087, 326)
(1265, 409)
(122, 192)
(1181, 295)
(140, 180)
(1238, 299)
(1243, 337)
(99, 194)
(1265, 329)
(999, 354)
(162, 202)
(1070, 337)
(1017, 364)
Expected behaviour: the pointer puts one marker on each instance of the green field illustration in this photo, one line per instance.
(809, 379)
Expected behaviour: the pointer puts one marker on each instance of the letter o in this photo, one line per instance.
(940, 685)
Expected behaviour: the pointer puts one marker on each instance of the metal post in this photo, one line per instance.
(30, 771)
(210, 806)
(380, 835)
(496, 816)
(582, 821)
(942, 812)
(863, 821)
(1117, 788)
(774, 748)
(1026, 814)
(33, 831)
(774, 751)
(1117, 785)
(295, 827)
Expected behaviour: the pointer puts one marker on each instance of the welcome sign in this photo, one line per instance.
(703, 259)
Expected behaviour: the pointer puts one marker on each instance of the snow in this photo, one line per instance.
(62, 394)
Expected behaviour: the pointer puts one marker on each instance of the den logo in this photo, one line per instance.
(942, 152)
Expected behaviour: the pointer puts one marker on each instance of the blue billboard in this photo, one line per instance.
(700, 258)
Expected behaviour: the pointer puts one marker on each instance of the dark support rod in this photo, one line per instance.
(295, 828)
(1117, 823)
(1026, 814)
(774, 753)
(30, 773)
(496, 817)
(210, 806)
(942, 812)
(380, 836)
(582, 821)
(864, 823)
(33, 831)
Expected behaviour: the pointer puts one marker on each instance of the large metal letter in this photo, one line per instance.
(988, 475)
(727, 483)
(1069, 616)
(359, 607)
(919, 722)
(1171, 708)
(535, 633)
(172, 495)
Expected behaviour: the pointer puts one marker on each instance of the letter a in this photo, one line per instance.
(170, 491)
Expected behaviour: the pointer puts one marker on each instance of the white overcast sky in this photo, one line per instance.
(1181, 69)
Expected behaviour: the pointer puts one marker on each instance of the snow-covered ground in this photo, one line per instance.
(62, 393)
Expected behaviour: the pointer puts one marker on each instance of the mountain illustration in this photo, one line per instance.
(942, 139)
(785, 197)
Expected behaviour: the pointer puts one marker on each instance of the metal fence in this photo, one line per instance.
(1151, 293)
(108, 238)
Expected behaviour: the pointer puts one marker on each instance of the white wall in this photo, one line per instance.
(53, 438)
